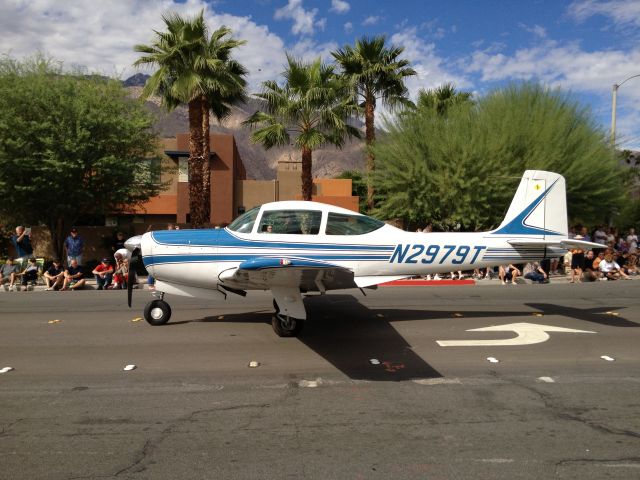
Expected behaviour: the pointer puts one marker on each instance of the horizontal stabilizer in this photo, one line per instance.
(566, 243)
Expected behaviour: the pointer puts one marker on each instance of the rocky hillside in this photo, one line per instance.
(260, 164)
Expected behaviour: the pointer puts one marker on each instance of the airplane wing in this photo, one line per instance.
(286, 278)
(302, 273)
(567, 243)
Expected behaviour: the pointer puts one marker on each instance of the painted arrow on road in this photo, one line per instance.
(528, 334)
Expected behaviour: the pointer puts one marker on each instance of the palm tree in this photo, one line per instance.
(441, 99)
(374, 72)
(196, 69)
(313, 106)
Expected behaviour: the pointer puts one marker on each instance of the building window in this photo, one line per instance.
(183, 169)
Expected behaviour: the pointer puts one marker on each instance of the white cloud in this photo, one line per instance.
(101, 35)
(339, 6)
(309, 50)
(348, 27)
(371, 20)
(304, 21)
(432, 70)
(571, 68)
(537, 30)
(622, 12)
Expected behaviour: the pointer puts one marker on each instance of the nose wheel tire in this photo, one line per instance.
(286, 326)
(157, 312)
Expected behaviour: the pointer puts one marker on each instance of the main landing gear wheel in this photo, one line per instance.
(157, 312)
(286, 326)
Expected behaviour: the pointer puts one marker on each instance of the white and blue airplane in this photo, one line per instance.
(295, 247)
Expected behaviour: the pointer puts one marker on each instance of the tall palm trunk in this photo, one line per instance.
(196, 160)
(206, 164)
(369, 110)
(307, 179)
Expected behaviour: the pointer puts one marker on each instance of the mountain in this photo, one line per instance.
(259, 164)
(137, 80)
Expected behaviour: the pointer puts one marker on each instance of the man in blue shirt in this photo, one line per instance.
(74, 244)
(22, 243)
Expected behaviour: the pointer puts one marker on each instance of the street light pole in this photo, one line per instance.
(614, 102)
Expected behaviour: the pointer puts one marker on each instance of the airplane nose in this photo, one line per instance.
(132, 243)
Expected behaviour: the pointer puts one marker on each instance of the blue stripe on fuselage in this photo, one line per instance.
(224, 238)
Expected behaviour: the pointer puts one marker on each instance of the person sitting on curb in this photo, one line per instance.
(9, 274)
(590, 274)
(54, 276)
(104, 274)
(508, 273)
(121, 272)
(610, 268)
(536, 273)
(73, 277)
(30, 275)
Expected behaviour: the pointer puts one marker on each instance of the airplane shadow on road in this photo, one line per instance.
(349, 335)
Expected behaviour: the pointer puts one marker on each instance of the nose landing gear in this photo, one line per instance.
(157, 312)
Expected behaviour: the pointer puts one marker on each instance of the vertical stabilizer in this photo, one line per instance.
(538, 208)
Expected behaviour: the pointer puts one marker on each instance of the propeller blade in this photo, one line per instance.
(133, 264)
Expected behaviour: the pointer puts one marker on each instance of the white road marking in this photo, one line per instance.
(607, 358)
(374, 361)
(546, 379)
(437, 381)
(6, 369)
(527, 334)
(310, 383)
(493, 359)
(254, 364)
(129, 367)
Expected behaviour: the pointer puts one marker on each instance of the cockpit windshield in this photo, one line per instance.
(244, 223)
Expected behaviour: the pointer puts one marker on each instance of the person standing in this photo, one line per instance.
(118, 242)
(22, 243)
(632, 241)
(74, 245)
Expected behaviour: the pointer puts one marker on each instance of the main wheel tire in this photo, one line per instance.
(157, 312)
(286, 326)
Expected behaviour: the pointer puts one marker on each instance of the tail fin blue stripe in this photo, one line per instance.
(517, 226)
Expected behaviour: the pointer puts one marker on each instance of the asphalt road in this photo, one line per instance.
(316, 407)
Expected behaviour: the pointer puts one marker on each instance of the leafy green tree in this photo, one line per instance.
(70, 145)
(462, 169)
(196, 69)
(440, 99)
(375, 72)
(313, 106)
(358, 186)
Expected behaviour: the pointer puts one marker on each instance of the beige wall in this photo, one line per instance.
(289, 180)
(251, 193)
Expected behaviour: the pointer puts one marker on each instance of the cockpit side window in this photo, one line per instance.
(291, 222)
(345, 224)
(244, 223)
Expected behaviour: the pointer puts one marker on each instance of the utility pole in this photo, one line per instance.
(613, 108)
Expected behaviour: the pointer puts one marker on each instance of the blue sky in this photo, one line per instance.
(583, 46)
